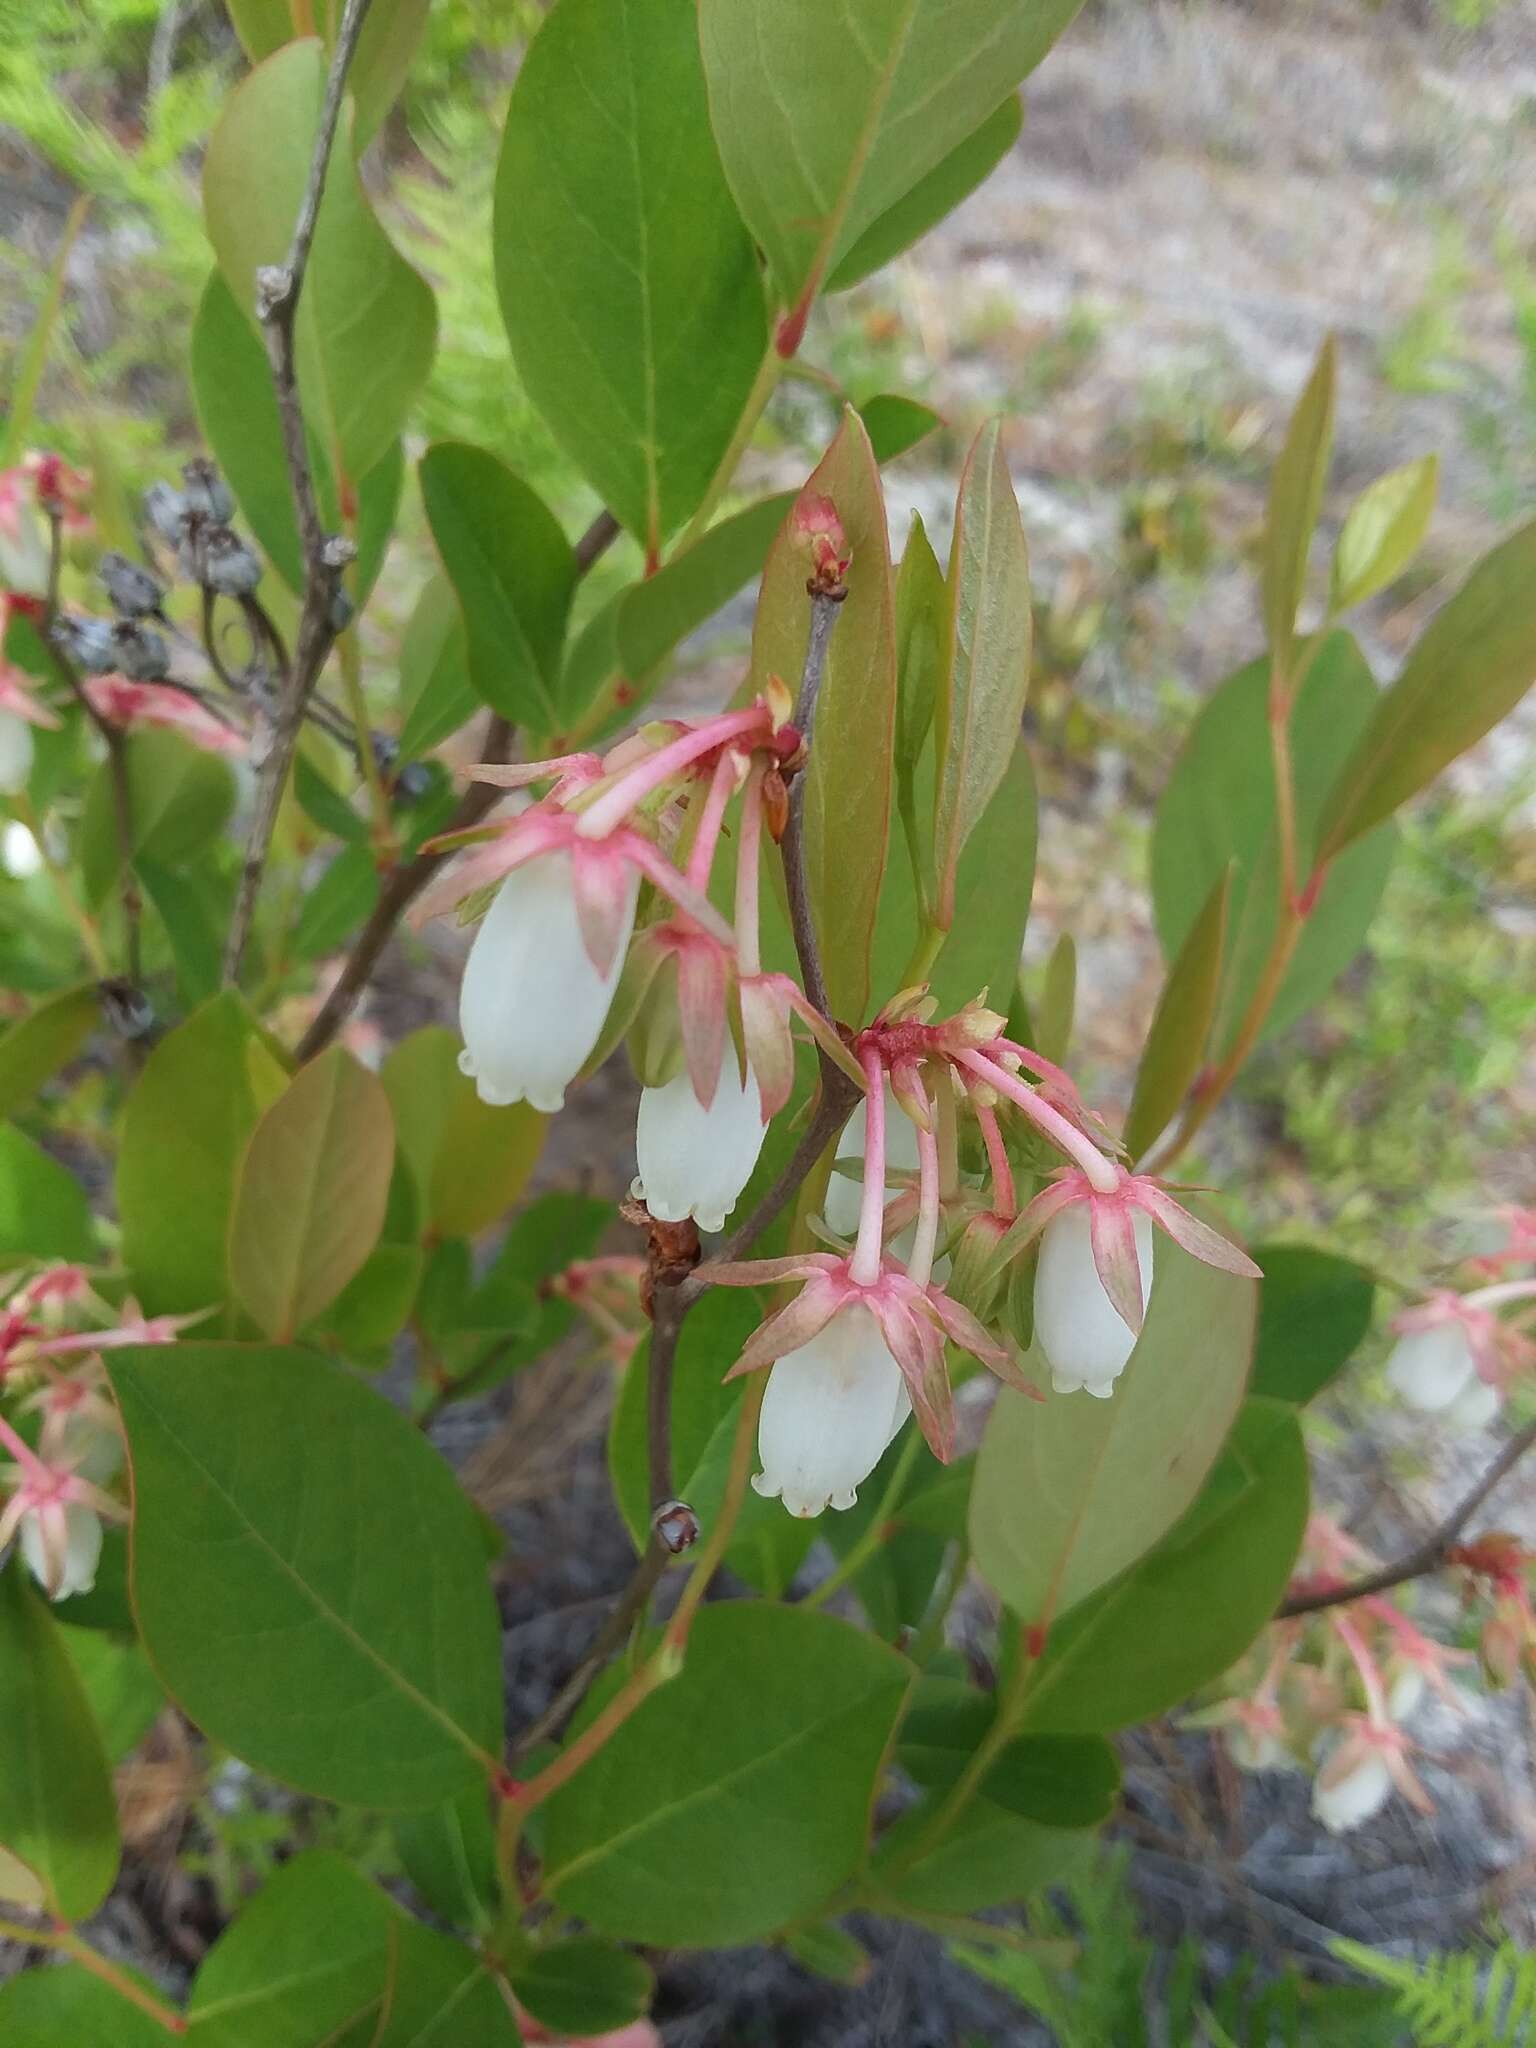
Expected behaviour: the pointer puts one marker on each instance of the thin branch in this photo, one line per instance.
(668, 1310)
(596, 541)
(325, 556)
(615, 1632)
(112, 738)
(406, 883)
(824, 610)
(400, 890)
(64, 1941)
(1425, 1557)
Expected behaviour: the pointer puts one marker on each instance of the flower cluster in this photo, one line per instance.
(62, 1431)
(1335, 1692)
(1456, 1354)
(569, 955)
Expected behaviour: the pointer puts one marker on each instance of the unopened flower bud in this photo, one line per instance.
(139, 652)
(817, 532)
(676, 1526)
(207, 495)
(974, 1279)
(166, 510)
(228, 565)
(135, 594)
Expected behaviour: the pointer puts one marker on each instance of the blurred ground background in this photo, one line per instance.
(1201, 191)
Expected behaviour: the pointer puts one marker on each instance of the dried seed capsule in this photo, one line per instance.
(166, 510)
(228, 565)
(676, 1526)
(133, 591)
(88, 643)
(139, 652)
(208, 496)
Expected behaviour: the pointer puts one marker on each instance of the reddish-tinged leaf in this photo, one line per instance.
(1181, 1024)
(1295, 495)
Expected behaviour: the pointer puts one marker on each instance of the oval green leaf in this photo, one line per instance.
(584, 1986)
(1383, 531)
(1071, 1490)
(367, 323)
(471, 1162)
(310, 1195)
(968, 164)
(629, 287)
(47, 1038)
(43, 1210)
(1314, 1311)
(778, 1713)
(1469, 668)
(308, 1578)
(57, 1813)
(513, 573)
(1187, 1612)
(68, 2008)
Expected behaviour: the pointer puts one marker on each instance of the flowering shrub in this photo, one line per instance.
(863, 1172)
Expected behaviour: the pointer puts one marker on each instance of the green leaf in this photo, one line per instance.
(848, 802)
(982, 948)
(449, 1853)
(1067, 1781)
(828, 116)
(1187, 1612)
(310, 1194)
(684, 593)
(1070, 1490)
(334, 908)
(31, 360)
(436, 693)
(374, 1306)
(1058, 1000)
(307, 1958)
(124, 1695)
(57, 1814)
(513, 573)
(237, 409)
(1468, 669)
(179, 799)
(194, 909)
(629, 287)
(390, 32)
(895, 423)
(47, 1038)
(186, 1125)
(1295, 498)
(321, 801)
(985, 673)
(829, 1951)
(1181, 1025)
(367, 323)
(308, 1578)
(989, 1858)
(1219, 809)
(968, 165)
(1383, 531)
(69, 2008)
(922, 629)
(471, 1162)
(778, 1713)
(584, 1986)
(43, 1210)
(1314, 1311)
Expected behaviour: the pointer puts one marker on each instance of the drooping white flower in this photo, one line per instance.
(831, 1408)
(532, 1004)
(1474, 1408)
(1345, 1798)
(1078, 1327)
(16, 751)
(844, 1195)
(1254, 1746)
(62, 1547)
(695, 1161)
(1405, 1691)
(1432, 1368)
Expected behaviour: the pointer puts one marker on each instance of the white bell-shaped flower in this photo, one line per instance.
(532, 1005)
(829, 1412)
(1433, 1368)
(841, 1207)
(1345, 1801)
(71, 1569)
(16, 749)
(695, 1161)
(1405, 1692)
(1253, 1747)
(1077, 1325)
(1474, 1409)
